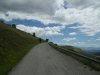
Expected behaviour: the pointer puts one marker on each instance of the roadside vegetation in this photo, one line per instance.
(81, 51)
(14, 44)
(85, 61)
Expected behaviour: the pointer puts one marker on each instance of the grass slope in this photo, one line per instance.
(66, 49)
(14, 44)
(72, 48)
(82, 52)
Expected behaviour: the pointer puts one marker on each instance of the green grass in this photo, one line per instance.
(79, 50)
(72, 48)
(85, 61)
(14, 44)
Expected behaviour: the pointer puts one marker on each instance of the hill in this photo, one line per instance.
(72, 48)
(93, 50)
(81, 51)
(86, 58)
(14, 44)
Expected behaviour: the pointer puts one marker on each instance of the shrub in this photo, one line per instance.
(13, 26)
(33, 34)
(47, 40)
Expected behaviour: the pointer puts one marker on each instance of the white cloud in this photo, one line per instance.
(30, 6)
(89, 23)
(79, 44)
(47, 31)
(68, 39)
(98, 39)
(83, 3)
(73, 27)
(84, 12)
(73, 33)
(86, 44)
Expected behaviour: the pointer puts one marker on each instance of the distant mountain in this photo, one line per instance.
(84, 51)
(93, 50)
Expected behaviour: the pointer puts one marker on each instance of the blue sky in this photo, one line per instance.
(79, 37)
(65, 22)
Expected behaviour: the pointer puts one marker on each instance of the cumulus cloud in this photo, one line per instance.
(73, 33)
(98, 39)
(83, 3)
(89, 23)
(85, 44)
(68, 39)
(30, 6)
(84, 12)
(47, 31)
(79, 44)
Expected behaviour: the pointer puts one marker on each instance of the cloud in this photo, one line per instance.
(80, 44)
(85, 44)
(89, 23)
(74, 27)
(73, 33)
(47, 31)
(98, 39)
(81, 4)
(29, 6)
(53, 11)
(68, 39)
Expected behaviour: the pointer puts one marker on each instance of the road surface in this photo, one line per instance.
(44, 60)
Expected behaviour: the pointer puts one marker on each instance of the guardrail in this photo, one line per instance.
(91, 61)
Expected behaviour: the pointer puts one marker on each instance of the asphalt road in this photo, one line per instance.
(44, 60)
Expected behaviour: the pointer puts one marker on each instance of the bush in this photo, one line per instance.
(1, 21)
(40, 40)
(47, 40)
(13, 26)
(33, 34)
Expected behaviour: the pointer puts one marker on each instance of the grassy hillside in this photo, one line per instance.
(80, 51)
(83, 60)
(72, 48)
(14, 44)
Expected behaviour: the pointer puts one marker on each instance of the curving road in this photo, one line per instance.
(44, 60)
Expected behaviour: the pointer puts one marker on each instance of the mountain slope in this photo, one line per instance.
(79, 50)
(79, 54)
(14, 44)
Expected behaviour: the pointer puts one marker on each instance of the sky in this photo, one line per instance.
(65, 22)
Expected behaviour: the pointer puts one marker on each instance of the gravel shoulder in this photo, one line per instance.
(44, 60)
